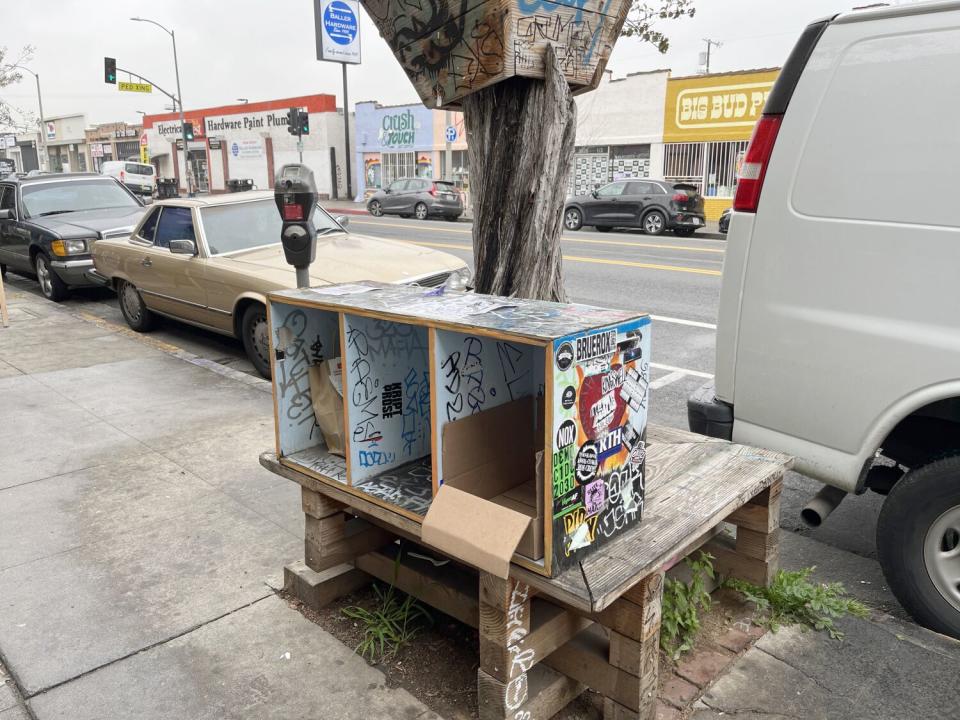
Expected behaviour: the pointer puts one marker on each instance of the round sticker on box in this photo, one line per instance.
(566, 434)
(586, 465)
(569, 397)
(565, 356)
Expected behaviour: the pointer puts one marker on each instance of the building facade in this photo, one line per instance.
(251, 141)
(112, 141)
(619, 131)
(66, 143)
(399, 141)
(707, 123)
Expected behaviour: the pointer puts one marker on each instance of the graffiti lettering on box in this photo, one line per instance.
(580, 529)
(596, 345)
(610, 443)
(363, 389)
(416, 410)
(463, 379)
(293, 381)
(410, 489)
(613, 379)
(392, 400)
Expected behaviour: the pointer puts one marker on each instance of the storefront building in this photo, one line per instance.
(66, 143)
(251, 141)
(619, 131)
(708, 120)
(112, 141)
(400, 141)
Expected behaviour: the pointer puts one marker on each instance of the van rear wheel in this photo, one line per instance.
(918, 541)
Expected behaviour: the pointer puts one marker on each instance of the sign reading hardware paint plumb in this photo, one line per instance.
(450, 50)
(337, 26)
(511, 430)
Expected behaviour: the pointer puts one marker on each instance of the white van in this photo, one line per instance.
(839, 322)
(140, 178)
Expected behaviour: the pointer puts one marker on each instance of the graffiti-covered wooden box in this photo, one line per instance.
(451, 48)
(511, 430)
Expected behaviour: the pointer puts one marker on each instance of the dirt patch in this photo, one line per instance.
(448, 649)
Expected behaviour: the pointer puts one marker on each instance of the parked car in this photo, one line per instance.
(211, 261)
(140, 178)
(725, 220)
(838, 336)
(49, 223)
(653, 205)
(418, 197)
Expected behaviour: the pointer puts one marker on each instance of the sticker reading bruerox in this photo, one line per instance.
(569, 397)
(565, 356)
(566, 434)
(586, 465)
(596, 345)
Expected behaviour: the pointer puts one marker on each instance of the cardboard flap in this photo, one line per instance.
(474, 530)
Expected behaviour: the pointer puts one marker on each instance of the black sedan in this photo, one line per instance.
(653, 205)
(725, 220)
(49, 223)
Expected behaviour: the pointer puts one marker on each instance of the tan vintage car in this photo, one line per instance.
(211, 261)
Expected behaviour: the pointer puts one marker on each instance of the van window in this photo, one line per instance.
(176, 223)
(135, 169)
(883, 145)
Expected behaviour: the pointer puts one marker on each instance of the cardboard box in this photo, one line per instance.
(490, 460)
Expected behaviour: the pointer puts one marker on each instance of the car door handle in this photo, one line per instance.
(147, 262)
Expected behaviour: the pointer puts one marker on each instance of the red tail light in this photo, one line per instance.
(755, 163)
(433, 189)
(680, 197)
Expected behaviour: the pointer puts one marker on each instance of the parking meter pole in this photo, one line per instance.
(303, 277)
(346, 130)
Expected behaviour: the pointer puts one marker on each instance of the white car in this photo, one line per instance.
(140, 178)
(838, 332)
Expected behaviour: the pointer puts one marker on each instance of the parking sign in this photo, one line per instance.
(451, 133)
(338, 30)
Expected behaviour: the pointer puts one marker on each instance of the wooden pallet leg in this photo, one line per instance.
(331, 537)
(755, 556)
(634, 633)
(318, 589)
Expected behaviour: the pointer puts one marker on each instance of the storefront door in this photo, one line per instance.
(199, 170)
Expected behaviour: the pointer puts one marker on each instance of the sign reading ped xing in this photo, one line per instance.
(337, 27)
(135, 87)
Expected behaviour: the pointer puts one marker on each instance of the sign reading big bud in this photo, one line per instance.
(451, 48)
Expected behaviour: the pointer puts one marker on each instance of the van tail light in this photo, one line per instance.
(754, 169)
(433, 189)
(123, 176)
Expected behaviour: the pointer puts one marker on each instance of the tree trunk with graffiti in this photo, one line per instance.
(521, 139)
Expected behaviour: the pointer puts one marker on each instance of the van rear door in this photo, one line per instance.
(849, 293)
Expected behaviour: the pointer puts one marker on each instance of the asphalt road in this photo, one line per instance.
(676, 280)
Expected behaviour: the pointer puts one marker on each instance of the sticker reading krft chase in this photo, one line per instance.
(597, 345)
(565, 356)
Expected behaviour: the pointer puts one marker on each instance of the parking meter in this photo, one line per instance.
(296, 195)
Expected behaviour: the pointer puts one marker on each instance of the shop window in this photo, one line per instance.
(723, 159)
(461, 169)
(630, 152)
(398, 165)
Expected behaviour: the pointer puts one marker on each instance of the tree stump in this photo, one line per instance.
(521, 138)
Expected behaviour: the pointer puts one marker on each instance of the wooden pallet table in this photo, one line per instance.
(596, 625)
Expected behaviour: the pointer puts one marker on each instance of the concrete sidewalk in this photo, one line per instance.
(141, 543)
(141, 546)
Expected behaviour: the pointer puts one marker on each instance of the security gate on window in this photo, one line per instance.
(589, 172)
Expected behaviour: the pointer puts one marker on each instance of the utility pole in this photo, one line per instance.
(346, 129)
(710, 43)
(183, 121)
(42, 159)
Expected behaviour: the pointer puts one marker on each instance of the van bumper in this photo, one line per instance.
(708, 416)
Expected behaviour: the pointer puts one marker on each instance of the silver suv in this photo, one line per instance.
(418, 197)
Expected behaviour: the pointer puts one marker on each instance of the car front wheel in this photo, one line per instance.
(133, 309)
(918, 542)
(654, 223)
(572, 219)
(52, 287)
(256, 338)
(375, 209)
(420, 211)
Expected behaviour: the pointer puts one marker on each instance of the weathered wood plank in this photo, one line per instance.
(317, 590)
(333, 541)
(759, 518)
(729, 563)
(759, 545)
(318, 505)
(585, 660)
(540, 693)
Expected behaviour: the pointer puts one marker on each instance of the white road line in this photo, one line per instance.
(681, 321)
(667, 379)
(671, 368)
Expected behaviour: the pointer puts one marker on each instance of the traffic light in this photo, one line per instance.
(293, 121)
(188, 130)
(110, 70)
(304, 122)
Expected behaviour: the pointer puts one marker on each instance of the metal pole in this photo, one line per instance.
(708, 56)
(42, 161)
(303, 277)
(183, 122)
(346, 131)
(447, 156)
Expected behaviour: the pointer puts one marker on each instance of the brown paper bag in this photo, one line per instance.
(328, 404)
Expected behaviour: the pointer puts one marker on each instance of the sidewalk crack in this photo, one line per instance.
(815, 680)
(164, 641)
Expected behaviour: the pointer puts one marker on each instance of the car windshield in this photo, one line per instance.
(52, 198)
(241, 226)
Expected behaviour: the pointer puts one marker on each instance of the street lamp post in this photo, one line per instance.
(183, 121)
(42, 159)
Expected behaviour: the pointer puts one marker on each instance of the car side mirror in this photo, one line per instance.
(343, 220)
(183, 247)
(6, 214)
(595, 194)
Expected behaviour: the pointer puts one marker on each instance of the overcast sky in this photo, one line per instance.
(265, 50)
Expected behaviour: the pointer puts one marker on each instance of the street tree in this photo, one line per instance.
(521, 143)
(11, 116)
